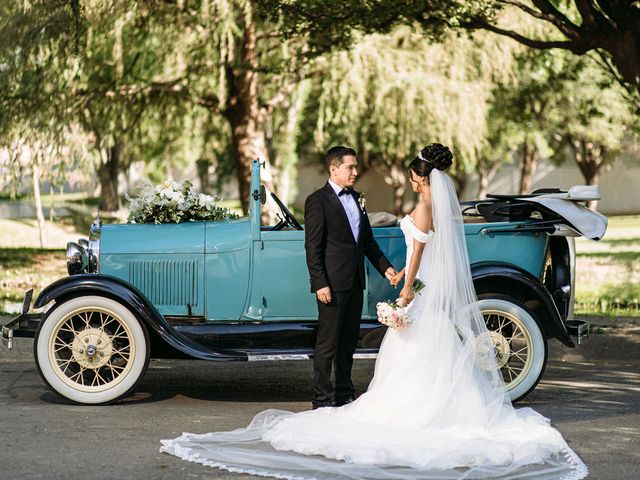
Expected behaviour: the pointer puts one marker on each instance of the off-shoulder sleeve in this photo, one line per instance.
(418, 234)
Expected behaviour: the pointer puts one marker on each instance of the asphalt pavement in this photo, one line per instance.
(591, 394)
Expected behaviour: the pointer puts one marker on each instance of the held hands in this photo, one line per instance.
(397, 278)
(390, 274)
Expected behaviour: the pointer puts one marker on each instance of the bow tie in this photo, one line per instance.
(344, 191)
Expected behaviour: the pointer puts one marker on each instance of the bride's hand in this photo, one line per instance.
(406, 294)
(397, 278)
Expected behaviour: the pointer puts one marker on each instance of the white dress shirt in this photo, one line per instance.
(351, 208)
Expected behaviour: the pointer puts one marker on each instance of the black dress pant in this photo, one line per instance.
(336, 340)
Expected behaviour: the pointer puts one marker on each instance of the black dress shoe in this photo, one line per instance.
(344, 401)
(329, 403)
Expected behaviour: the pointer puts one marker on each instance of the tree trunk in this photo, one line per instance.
(483, 185)
(38, 202)
(51, 202)
(593, 180)
(528, 164)
(202, 167)
(460, 180)
(592, 160)
(485, 172)
(398, 198)
(393, 175)
(108, 177)
(243, 114)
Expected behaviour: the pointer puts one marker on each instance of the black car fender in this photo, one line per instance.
(132, 298)
(520, 284)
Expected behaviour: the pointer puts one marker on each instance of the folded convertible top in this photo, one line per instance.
(548, 204)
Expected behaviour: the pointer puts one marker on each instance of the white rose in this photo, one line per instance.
(176, 196)
(206, 201)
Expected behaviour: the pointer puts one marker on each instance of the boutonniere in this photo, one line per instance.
(362, 200)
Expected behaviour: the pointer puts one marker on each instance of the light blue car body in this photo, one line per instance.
(234, 270)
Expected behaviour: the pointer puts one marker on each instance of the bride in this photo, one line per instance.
(436, 407)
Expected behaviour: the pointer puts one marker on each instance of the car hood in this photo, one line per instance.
(168, 238)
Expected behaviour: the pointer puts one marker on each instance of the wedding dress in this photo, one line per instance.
(435, 409)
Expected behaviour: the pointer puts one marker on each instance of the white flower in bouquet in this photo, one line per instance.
(394, 314)
(176, 196)
(206, 201)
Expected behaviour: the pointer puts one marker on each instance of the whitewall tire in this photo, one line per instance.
(520, 346)
(91, 349)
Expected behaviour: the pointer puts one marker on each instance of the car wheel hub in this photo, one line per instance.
(92, 348)
(492, 346)
(501, 348)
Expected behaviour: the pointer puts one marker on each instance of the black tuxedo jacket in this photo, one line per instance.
(334, 258)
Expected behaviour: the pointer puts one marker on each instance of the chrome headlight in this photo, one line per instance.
(84, 256)
(77, 258)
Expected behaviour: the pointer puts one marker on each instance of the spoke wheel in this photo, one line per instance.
(91, 350)
(519, 346)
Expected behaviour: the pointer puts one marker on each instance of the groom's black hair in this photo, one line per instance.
(334, 156)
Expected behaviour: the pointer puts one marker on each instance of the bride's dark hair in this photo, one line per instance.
(432, 156)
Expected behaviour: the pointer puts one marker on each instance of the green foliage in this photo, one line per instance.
(392, 94)
(523, 105)
(333, 25)
(610, 29)
(159, 80)
(592, 108)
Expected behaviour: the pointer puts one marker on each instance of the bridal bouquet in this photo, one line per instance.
(172, 202)
(394, 314)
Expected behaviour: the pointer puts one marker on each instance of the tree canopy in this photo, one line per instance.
(609, 28)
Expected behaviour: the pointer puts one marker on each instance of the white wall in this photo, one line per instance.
(620, 186)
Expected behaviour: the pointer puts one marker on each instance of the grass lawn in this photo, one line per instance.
(24, 268)
(24, 265)
(607, 272)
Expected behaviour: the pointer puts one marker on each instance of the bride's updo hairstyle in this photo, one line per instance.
(432, 156)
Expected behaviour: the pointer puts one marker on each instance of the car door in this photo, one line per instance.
(284, 278)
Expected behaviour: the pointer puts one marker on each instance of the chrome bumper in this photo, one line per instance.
(24, 325)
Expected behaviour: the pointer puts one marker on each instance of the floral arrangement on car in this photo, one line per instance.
(394, 314)
(172, 202)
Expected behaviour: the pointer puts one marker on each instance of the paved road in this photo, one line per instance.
(592, 395)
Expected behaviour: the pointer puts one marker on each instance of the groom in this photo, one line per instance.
(337, 237)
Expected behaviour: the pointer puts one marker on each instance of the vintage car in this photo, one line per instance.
(236, 290)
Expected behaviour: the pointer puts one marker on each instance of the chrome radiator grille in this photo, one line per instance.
(166, 282)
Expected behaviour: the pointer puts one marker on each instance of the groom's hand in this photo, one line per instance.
(324, 295)
(390, 274)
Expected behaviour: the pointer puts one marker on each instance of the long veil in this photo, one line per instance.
(452, 294)
(436, 408)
